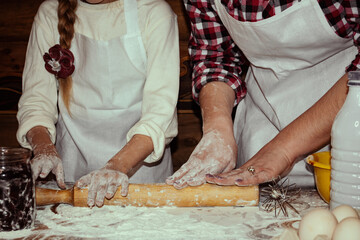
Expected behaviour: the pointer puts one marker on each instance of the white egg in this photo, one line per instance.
(319, 221)
(344, 211)
(347, 229)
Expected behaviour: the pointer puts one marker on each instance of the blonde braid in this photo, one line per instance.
(67, 17)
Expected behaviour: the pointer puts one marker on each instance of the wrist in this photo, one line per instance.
(131, 155)
(217, 102)
(45, 149)
(283, 149)
(115, 165)
(221, 123)
(39, 139)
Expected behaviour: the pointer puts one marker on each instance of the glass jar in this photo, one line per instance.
(17, 190)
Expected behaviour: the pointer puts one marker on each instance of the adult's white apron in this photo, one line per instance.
(295, 57)
(107, 96)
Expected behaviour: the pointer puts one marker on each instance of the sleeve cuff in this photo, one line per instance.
(157, 136)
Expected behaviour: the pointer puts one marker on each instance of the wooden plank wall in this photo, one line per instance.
(16, 18)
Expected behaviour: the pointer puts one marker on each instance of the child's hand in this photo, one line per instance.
(215, 153)
(46, 159)
(103, 183)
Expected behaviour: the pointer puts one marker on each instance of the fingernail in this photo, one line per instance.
(91, 203)
(170, 178)
(209, 175)
(218, 177)
(238, 180)
(179, 182)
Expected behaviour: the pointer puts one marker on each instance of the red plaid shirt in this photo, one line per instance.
(214, 55)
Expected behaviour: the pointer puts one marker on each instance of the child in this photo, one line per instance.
(101, 81)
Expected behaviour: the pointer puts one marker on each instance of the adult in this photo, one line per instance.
(298, 53)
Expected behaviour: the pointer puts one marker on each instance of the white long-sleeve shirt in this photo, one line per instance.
(159, 30)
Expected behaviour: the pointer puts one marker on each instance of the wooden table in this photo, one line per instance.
(114, 222)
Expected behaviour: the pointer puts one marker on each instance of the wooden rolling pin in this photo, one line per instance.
(158, 195)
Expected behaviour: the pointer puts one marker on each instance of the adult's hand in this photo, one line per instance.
(304, 135)
(103, 183)
(215, 153)
(46, 159)
(268, 164)
(217, 149)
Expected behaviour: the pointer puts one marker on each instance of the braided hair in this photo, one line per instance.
(67, 17)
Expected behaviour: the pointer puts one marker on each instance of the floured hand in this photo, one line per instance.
(46, 160)
(268, 164)
(215, 153)
(103, 183)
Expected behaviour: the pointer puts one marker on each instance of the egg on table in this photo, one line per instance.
(317, 222)
(342, 223)
(347, 229)
(344, 211)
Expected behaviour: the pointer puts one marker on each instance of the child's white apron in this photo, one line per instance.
(295, 57)
(107, 96)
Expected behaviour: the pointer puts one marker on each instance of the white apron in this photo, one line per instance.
(108, 87)
(295, 57)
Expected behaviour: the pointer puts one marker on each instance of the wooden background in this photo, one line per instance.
(16, 17)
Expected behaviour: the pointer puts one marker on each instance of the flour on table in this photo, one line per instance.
(115, 222)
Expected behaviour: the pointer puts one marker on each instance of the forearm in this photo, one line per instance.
(217, 102)
(311, 130)
(132, 154)
(39, 138)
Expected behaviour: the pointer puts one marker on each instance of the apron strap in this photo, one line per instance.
(135, 49)
(131, 16)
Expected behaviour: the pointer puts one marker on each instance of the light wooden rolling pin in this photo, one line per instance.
(158, 195)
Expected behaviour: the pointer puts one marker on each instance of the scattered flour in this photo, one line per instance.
(114, 222)
(170, 223)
